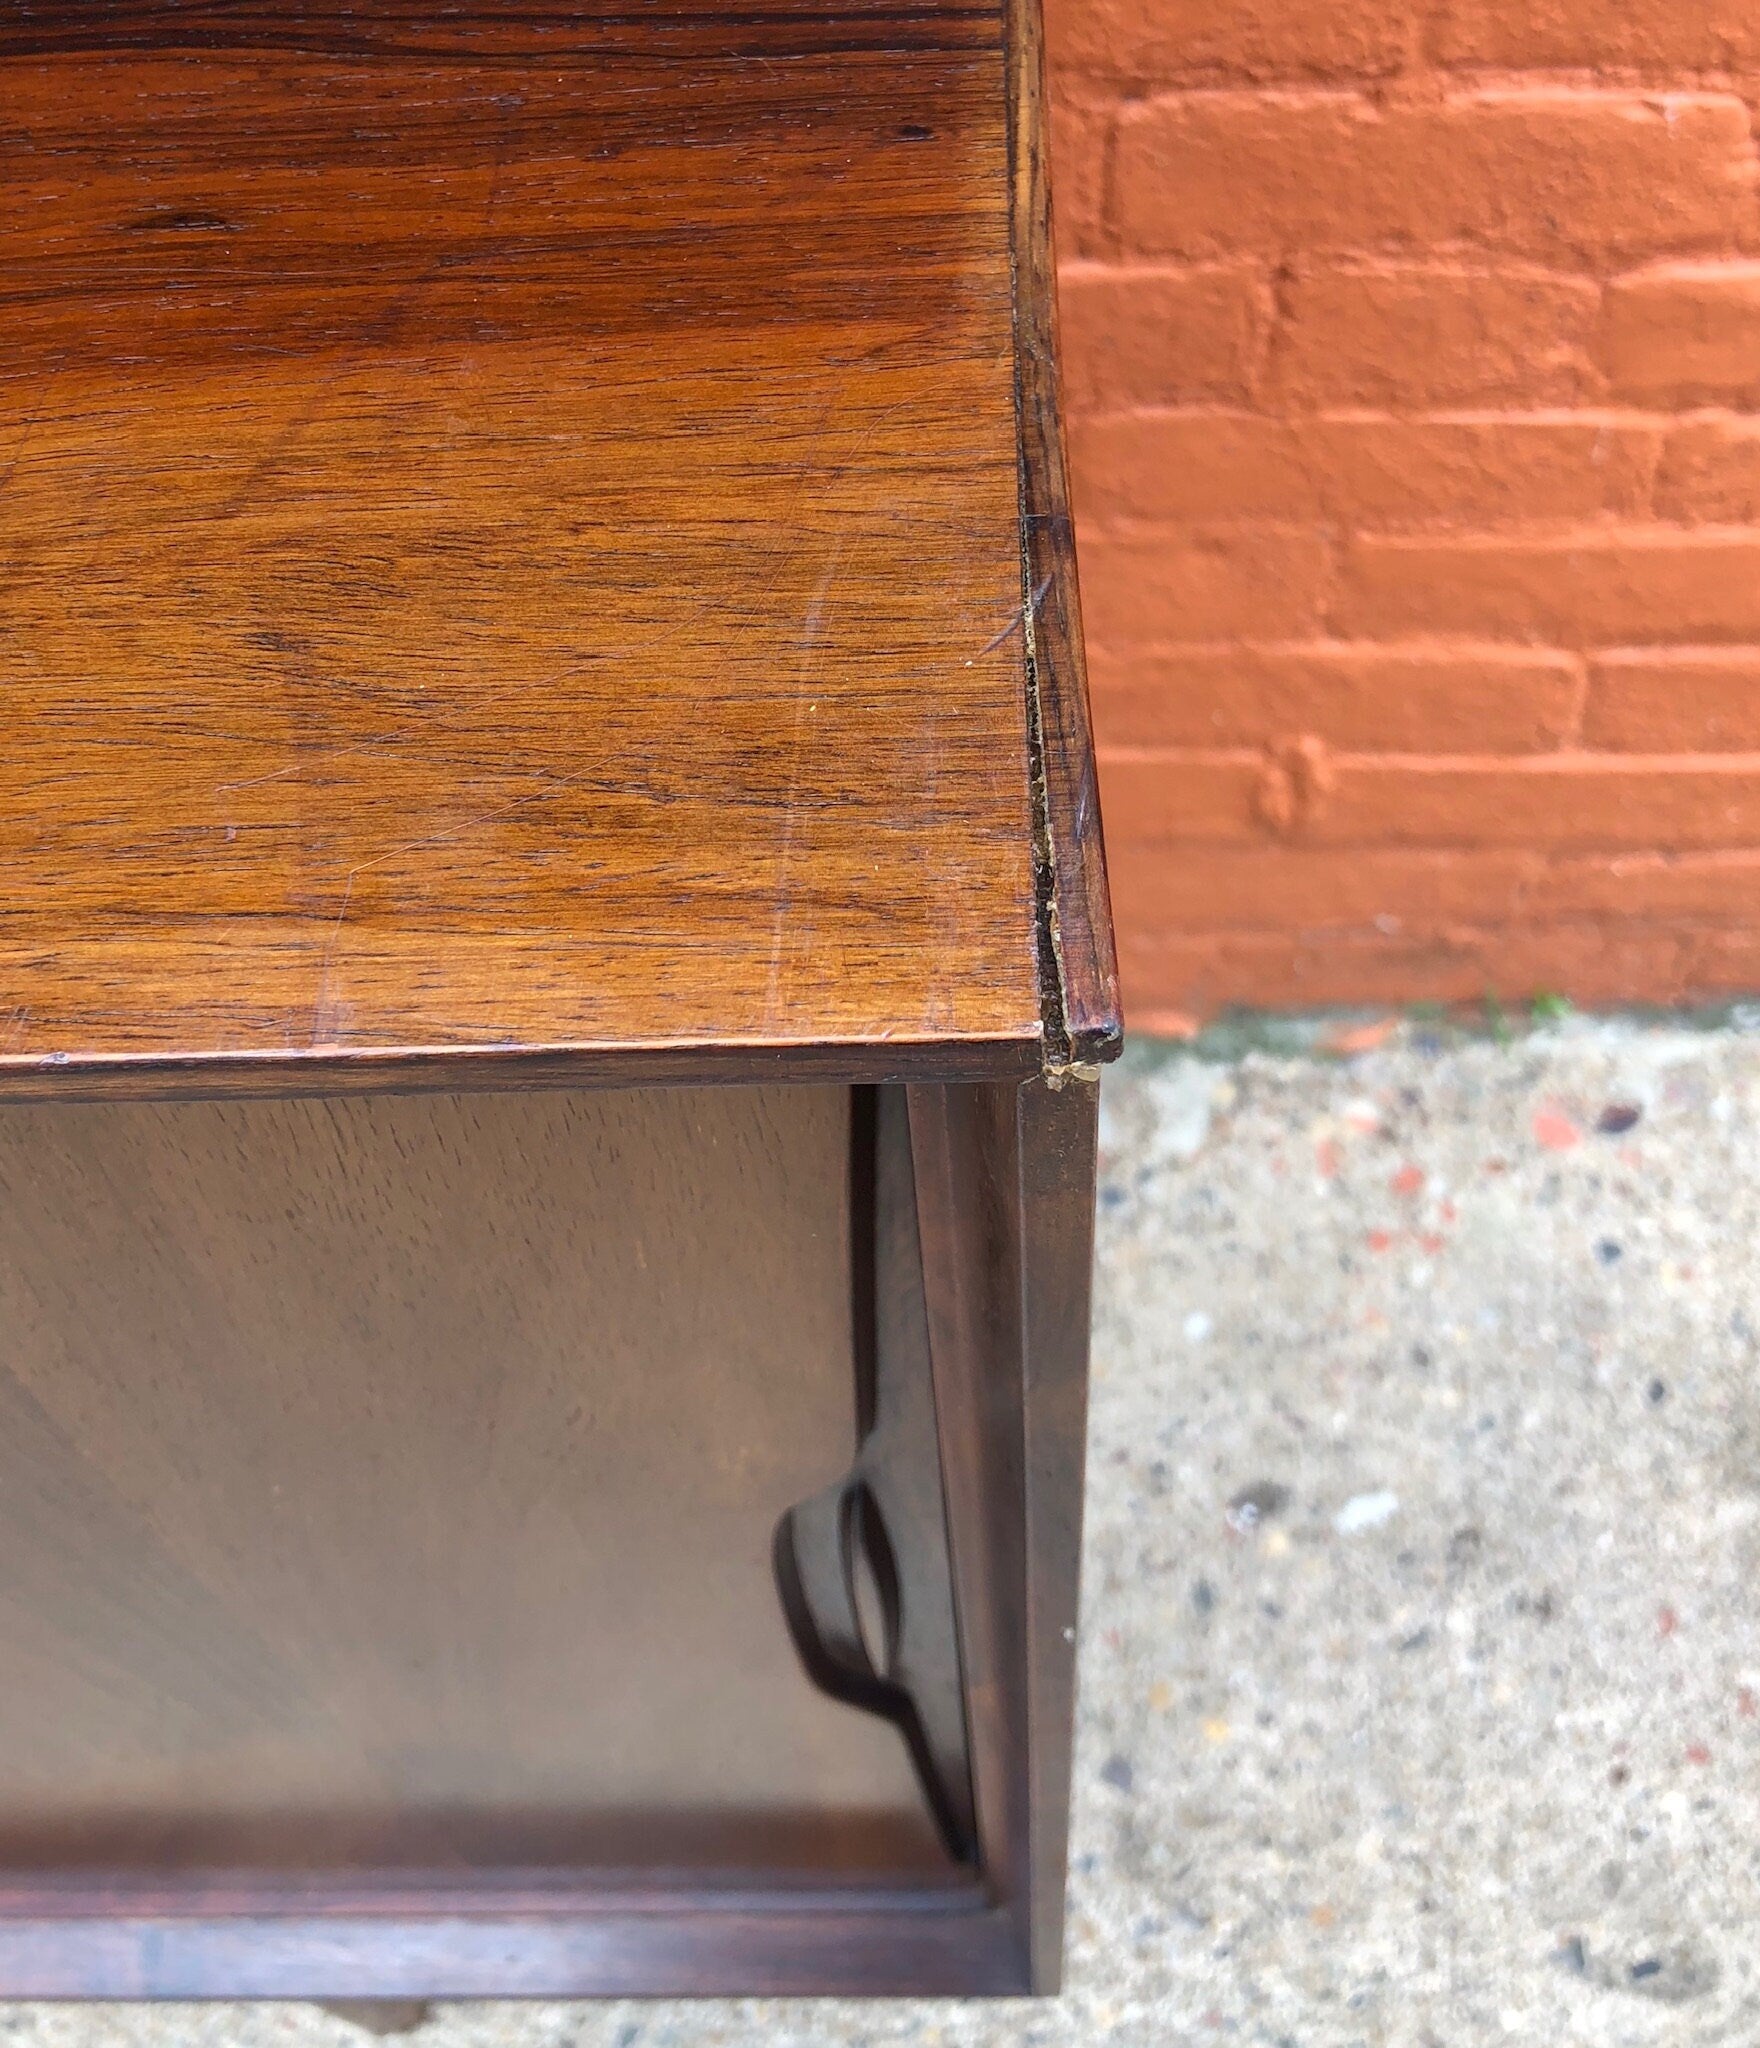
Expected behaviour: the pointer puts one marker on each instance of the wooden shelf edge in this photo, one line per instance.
(447, 1070)
(954, 1945)
(1078, 964)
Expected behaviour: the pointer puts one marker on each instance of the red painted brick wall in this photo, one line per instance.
(1413, 359)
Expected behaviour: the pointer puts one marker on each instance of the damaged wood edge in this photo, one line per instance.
(1077, 963)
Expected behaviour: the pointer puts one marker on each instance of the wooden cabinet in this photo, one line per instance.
(553, 966)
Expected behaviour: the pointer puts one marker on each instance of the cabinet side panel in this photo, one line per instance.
(1006, 1183)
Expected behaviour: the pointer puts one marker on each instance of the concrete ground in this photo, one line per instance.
(1420, 1663)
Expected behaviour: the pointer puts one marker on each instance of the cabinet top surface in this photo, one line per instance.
(511, 533)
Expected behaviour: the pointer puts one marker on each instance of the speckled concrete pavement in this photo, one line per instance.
(1421, 1673)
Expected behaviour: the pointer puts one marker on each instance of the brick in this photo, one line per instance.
(1655, 35)
(1206, 888)
(1082, 145)
(1481, 470)
(1560, 174)
(1168, 975)
(1720, 963)
(1692, 887)
(1191, 466)
(1145, 334)
(1200, 974)
(1710, 470)
(1310, 326)
(1157, 799)
(1576, 802)
(1164, 801)
(1128, 43)
(1418, 335)
(1585, 587)
(1180, 583)
(1679, 333)
(1365, 471)
(1582, 801)
(1357, 696)
(1697, 700)
(1593, 963)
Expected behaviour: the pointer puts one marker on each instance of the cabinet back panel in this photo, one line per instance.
(391, 1481)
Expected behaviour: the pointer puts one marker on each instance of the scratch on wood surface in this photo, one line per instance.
(321, 1005)
(1014, 625)
(27, 427)
(256, 781)
(438, 714)
(384, 330)
(272, 459)
(805, 669)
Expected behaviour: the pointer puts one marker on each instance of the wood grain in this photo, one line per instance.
(390, 1485)
(1057, 1136)
(511, 534)
(1005, 1181)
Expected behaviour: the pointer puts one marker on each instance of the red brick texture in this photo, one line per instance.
(1413, 372)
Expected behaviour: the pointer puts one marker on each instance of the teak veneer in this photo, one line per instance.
(535, 578)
